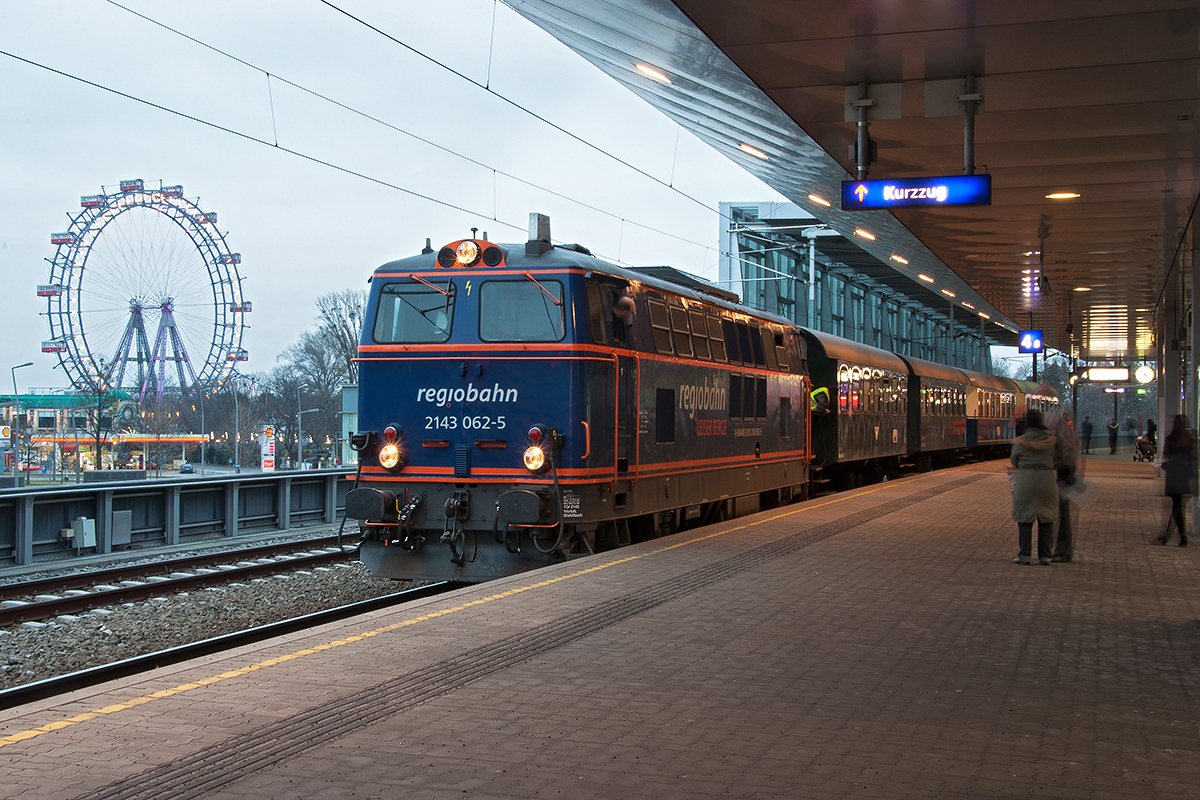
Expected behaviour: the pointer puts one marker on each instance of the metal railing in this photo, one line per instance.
(45, 523)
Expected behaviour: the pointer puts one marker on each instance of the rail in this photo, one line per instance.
(50, 523)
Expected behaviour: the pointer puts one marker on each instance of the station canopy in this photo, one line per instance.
(1096, 99)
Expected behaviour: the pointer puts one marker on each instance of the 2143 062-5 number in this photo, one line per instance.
(484, 423)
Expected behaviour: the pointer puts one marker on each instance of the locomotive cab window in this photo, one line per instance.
(521, 311)
(414, 312)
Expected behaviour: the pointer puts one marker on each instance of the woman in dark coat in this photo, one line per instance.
(1035, 490)
(1178, 452)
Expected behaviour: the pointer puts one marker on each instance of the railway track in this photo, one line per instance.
(79, 592)
(51, 687)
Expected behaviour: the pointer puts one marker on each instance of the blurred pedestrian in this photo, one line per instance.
(1178, 468)
(1113, 429)
(1152, 432)
(1035, 492)
(1085, 431)
(1066, 463)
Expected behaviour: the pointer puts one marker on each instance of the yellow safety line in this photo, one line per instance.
(271, 662)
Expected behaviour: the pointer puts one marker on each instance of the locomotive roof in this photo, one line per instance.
(845, 350)
(930, 369)
(666, 279)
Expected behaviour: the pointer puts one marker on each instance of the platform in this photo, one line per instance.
(873, 644)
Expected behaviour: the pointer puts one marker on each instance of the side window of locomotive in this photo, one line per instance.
(781, 353)
(664, 416)
(699, 334)
(679, 329)
(760, 398)
(596, 314)
(660, 323)
(414, 312)
(521, 311)
(748, 407)
(716, 339)
(767, 345)
(731, 341)
(750, 334)
(735, 396)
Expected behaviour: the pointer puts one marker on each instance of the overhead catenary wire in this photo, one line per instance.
(429, 142)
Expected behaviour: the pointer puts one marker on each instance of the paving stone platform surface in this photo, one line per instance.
(873, 644)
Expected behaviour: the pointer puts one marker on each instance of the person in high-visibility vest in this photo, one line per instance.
(818, 401)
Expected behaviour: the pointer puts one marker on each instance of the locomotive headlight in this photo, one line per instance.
(389, 456)
(467, 253)
(535, 459)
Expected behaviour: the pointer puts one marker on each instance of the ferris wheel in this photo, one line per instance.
(136, 263)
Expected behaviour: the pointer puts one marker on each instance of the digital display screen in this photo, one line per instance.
(953, 190)
(1030, 342)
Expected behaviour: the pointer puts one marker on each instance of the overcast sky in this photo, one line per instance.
(305, 229)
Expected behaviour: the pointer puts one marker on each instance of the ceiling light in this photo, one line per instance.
(925, 277)
(968, 305)
(1083, 288)
(1062, 195)
(821, 201)
(754, 151)
(948, 293)
(900, 259)
(651, 72)
(985, 316)
(864, 234)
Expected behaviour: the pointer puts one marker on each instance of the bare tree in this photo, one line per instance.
(339, 325)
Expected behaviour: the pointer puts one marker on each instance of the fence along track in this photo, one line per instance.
(234, 758)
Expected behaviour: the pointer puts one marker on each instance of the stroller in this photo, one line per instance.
(1144, 449)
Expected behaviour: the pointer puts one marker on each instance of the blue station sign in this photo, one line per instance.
(953, 190)
(1030, 342)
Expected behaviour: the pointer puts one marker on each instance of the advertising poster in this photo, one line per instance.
(267, 442)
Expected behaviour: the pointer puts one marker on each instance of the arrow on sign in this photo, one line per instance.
(861, 191)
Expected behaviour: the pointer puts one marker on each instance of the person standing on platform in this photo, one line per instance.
(1178, 454)
(1113, 429)
(1085, 431)
(1152, 433)
(1066, 461)
(1035, 493)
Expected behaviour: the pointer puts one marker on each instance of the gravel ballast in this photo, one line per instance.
(34, 651)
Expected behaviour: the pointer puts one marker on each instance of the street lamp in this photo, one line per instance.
(17, 417)
(300, 433)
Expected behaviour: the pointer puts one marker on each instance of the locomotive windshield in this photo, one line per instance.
(521, 311)
(415, 312)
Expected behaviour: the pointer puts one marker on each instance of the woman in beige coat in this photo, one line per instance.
(1035, 491)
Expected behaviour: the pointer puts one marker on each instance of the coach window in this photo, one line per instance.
(596, 314)
(418, 312)
(679, 327)
(844, 390)
(660, 322)
(903, 395)
(735, 396)
(699, 334)
(855, 390)
(885, 383)
(521, 311)
(716, 339)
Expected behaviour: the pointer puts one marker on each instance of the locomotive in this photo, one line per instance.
(524, 404)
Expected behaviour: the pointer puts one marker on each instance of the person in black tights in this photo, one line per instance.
(1178, 455)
